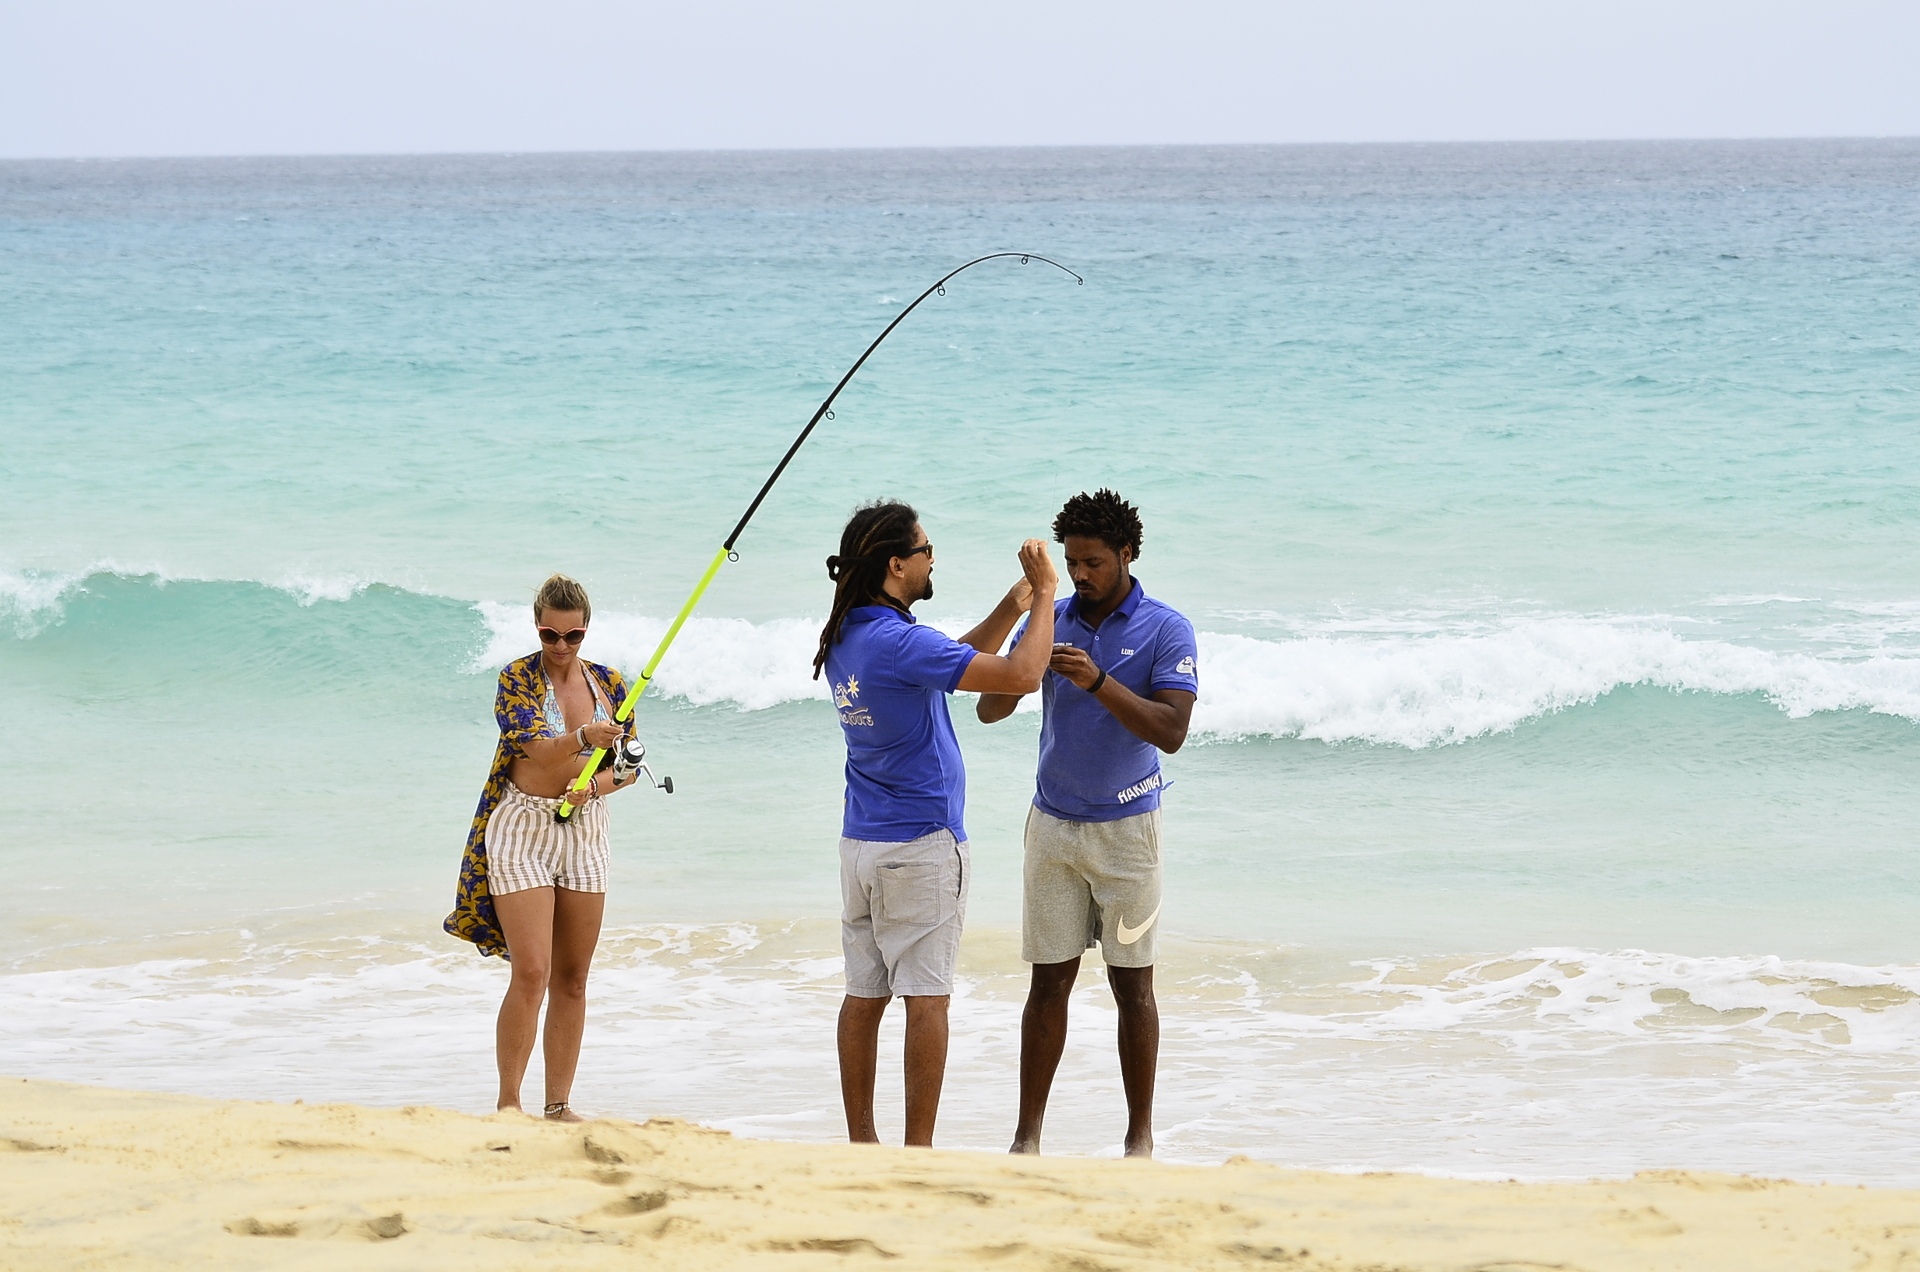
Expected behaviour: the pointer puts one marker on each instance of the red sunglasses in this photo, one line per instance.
(548, 636)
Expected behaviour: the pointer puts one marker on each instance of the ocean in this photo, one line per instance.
(1548, 514)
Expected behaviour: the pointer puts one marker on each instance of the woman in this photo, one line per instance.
(532, 890)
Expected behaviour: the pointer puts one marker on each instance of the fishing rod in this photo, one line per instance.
(727, 553)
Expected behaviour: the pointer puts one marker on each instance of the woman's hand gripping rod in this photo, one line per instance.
(726, 552)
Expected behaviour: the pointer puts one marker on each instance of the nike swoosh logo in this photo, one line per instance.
(1126, 935)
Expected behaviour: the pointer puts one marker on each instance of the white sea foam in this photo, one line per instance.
(311, 589)
(1541, 1063)
(714, 661)
(1412, 689)
(31, 600)
(1558, 998)
(1420, 690)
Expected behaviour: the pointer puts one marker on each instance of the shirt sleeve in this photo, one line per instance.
(1176, 657)
(516, 708)
(931, 659)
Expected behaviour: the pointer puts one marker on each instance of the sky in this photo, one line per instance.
(87, 78)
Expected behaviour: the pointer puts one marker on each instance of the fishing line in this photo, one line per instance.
(727, 553)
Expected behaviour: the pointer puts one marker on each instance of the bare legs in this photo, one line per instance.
(551, 933)
(859, 1039)
(1043, 1037)
(1139, 1051)
(926, 1064)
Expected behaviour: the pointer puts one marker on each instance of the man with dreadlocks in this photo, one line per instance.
(1122, 690)
(904, 866)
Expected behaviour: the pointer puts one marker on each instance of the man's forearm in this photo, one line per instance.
(995, 707)
(1037, 646)
(1150, 721)
(994, 629)
(1035, 650)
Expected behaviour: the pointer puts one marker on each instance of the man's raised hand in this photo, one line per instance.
(1037, 563)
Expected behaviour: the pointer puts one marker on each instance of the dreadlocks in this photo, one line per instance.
(1103, 515)
(877, 533)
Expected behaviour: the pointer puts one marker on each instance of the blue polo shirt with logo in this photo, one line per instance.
(890, 678)
(1092, 769)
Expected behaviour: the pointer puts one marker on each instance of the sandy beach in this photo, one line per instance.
(99, 1178)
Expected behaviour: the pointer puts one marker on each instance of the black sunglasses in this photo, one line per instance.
(548, 636)
(926, 547)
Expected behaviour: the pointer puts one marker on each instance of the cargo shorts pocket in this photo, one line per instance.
(917, 893)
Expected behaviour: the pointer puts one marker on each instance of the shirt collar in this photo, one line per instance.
(1125, 609)
(875, 613)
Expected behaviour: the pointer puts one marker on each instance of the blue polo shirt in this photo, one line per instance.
(1091, 768)
(890, 679)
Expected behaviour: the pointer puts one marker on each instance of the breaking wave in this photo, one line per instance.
(1403, 690)
(1408, 685)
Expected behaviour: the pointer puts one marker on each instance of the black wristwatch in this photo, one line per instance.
(1095, 686)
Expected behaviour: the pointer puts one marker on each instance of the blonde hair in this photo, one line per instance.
(561, 593)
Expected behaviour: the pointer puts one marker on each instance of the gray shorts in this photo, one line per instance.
(902, 907)
(1091, 883)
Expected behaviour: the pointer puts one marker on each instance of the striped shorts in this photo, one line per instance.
(526, 848)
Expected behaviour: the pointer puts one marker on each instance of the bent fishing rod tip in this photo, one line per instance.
(727, 551)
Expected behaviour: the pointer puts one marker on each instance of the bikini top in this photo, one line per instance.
(557, 718)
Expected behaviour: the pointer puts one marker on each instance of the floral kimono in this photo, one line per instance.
(518, 707)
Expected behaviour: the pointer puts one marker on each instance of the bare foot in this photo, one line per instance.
(562, 1113)
(1140, 1145)
(1026, 1147)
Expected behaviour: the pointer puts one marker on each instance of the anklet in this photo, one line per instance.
(558, 1106)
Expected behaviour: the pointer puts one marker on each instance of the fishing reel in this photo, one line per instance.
(627, 757)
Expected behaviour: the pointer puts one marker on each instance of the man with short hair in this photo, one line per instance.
(904, 866)
(1125, 676)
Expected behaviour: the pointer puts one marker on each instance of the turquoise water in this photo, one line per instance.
(1547, 512)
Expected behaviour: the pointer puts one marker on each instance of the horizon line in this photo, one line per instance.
(972, 146)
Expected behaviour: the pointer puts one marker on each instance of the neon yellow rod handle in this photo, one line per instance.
(639, 686)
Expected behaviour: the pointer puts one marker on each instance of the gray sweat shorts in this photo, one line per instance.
(902, 906)
(1091, 883)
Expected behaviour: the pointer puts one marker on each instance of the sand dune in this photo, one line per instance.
(111, 1179)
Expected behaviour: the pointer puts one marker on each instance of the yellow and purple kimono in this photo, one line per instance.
(519, 709)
